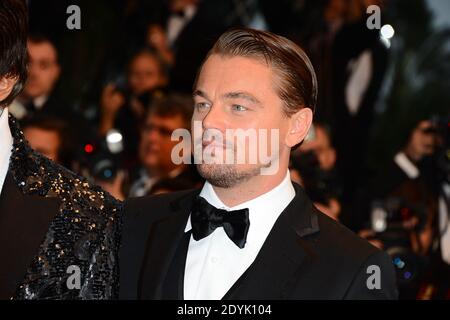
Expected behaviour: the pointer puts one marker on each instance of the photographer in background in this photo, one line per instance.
(412, 168)
(123, 104)
(404, 206)
(313, 166)
(436, 284)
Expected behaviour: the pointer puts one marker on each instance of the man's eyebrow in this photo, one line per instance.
(229, 95)
(200, 93)
(241, 95)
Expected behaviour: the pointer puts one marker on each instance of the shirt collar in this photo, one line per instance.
(40, 101)
(263, 210)
(406, 165)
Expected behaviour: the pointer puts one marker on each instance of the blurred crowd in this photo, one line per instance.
(115, 127)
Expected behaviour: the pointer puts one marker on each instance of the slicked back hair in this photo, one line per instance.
(296, 82)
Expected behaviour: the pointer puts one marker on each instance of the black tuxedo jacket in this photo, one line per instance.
(51, 219)
(306, 255)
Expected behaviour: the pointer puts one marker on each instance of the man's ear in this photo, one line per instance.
(6, 86)
(299, 124)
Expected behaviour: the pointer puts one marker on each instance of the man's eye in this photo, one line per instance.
(238, 107)
(201, 106)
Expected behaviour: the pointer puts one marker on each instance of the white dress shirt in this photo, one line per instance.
(6, 143)
(215, 263)
(406, 165)
(444, 223)
(18, 107)
(176, 24)
(359, 81)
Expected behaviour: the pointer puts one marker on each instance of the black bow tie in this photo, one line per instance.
(205, 218)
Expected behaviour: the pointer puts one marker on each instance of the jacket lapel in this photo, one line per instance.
(24, 222)
(283, 256)
(162, 244)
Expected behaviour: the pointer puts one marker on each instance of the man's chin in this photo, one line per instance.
(226, 175)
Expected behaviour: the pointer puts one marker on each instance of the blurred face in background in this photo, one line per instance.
(322, 148)
(348, 11)
(43, 69)
(335, 10)
(179, 5)
(422, 141)
(46, 142)
(145, 74)
(156, 146)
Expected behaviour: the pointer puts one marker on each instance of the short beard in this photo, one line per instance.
(226, 176)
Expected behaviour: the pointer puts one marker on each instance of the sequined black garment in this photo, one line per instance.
(84, 233)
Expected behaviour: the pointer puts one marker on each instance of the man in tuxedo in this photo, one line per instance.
(249, 233)
(38, 95)
(58, 233)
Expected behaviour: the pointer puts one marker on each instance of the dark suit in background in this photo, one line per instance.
(197, 36)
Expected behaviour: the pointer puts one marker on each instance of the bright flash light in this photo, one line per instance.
(114, 136)
(387, 31)
(114, 141)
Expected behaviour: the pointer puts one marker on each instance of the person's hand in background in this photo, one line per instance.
(331, 209)
(110, 103)
(369, 236)
(114, 187)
